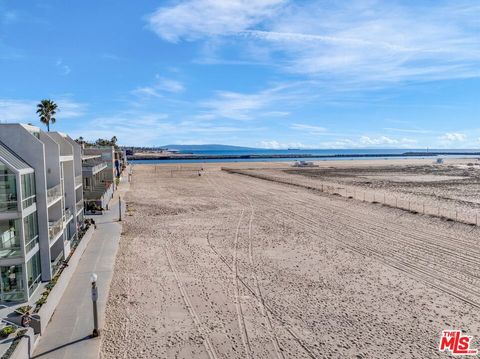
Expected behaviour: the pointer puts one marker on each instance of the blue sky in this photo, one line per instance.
(262, 73)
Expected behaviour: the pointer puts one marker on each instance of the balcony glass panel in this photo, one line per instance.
(78, 180)
(12, 283)
(28, 189)
(10, 238)
(33, 272)
(54, 193)
(79, 206)
(8, 190)
(54, 228)
(31, 231)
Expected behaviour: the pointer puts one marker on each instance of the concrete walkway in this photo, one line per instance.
(67, 334)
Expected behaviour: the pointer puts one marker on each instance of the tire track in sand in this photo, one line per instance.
(200, 328)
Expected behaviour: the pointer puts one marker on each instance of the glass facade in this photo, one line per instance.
(34, 272)
(12, 286)
(8, 189)
(28, 189)
(10, 238)
(31, 231)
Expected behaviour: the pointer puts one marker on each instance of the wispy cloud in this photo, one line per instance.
(276, 145)
(196, 19)
(407, 130)
(160, 86)
(65, 69)
(453, 137)
(273, 101)
(148, 128)
(366, 42)
(12, 110)
(309, 128)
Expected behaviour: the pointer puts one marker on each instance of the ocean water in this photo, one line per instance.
(319, 152)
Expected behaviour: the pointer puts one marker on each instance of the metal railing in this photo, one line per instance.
(54, 228)
(78, 180)
(54, 193)
(57, 263)
(79, 206)
(68, 215)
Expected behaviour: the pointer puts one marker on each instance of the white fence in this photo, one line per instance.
(376, 196)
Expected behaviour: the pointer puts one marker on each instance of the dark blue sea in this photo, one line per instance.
(319, 152)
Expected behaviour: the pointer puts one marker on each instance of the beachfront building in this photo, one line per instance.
(98, 168)
(41, 206)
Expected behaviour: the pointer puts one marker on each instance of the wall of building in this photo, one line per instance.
(32, 151)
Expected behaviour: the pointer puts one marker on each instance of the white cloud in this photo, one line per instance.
(134, 128)
(386, 141)
(454, 137)
(382, 140)
(63, 67)
(355, 42)
(160, 86)
(308, 128)
(195, 19)
(248, 106)
(407, 130)
(275, 145)
(25, 110)
(17, 110)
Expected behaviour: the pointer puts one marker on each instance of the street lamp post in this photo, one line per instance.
(119, 208)
(93, 280)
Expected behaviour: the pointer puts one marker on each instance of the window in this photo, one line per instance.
(34, 272)
(28, 188)
(11, 278)
(31, 231)
(8, 189)
(10, 238)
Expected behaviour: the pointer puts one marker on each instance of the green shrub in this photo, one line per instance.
(41, 301)
(6, 331)
(23, 309)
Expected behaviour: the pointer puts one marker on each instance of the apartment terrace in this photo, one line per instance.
(93, 166)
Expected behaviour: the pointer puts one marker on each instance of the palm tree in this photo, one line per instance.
(46, 109)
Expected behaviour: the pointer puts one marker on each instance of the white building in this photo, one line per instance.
(41, 206)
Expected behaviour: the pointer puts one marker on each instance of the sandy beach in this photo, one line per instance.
(230, 265)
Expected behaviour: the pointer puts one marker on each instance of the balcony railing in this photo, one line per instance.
(68, 215)
(54, 228)
(54, 193)
(93, 167)
(57, 263)
(8, 206)
(78, 180)
(79, 206)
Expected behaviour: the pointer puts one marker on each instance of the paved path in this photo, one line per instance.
(67, 334)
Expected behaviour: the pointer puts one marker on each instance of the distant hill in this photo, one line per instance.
(208, 147)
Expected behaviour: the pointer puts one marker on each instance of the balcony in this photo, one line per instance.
(93, 167)
(68, 215)
(8, 206)
(53, 194)
(79, 206)
(78, 181)
(54, 229)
